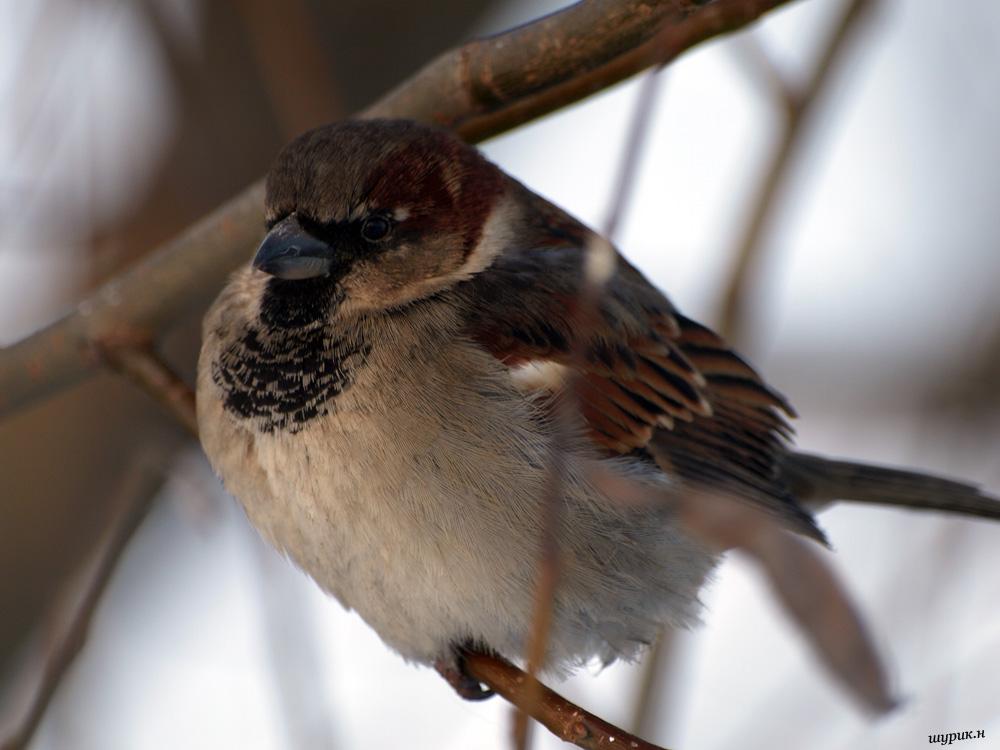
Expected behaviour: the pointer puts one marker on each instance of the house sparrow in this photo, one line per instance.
(378, 391)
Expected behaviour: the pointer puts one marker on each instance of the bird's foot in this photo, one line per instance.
(453, 670)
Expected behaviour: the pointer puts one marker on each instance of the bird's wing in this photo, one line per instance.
(646, 379)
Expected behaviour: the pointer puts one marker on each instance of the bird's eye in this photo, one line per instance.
(375, 228)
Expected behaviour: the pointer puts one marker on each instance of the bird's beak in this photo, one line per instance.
(290, 252)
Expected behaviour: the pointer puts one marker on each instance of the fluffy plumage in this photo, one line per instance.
(376, 390)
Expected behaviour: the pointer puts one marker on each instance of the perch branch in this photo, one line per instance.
(565, 720)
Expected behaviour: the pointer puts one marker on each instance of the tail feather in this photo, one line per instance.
(818, 481)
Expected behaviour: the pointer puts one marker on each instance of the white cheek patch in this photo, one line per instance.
(496, 235)
(494, 238)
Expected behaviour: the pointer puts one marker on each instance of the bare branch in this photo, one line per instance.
(149, 297)
(565, 720)
(479, 89)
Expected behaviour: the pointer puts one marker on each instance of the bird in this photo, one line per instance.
(385, 386)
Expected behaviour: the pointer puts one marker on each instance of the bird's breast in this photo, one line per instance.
(282, 381)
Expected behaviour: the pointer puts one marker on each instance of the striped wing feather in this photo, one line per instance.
(649, 381)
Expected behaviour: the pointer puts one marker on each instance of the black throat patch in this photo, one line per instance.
(289, 370)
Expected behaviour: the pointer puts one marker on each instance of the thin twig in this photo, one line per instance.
(798, 106)
(634, 143)
(473, 89)
(136, 492)
(565, 720)
(549, 569)
(763, 73)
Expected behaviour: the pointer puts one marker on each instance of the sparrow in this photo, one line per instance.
(380, 390)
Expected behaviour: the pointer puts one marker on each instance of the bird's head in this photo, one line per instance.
(384, 212)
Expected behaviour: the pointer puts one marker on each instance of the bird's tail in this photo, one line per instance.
(818, 481)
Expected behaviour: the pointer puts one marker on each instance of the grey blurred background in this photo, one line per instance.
(875, 311)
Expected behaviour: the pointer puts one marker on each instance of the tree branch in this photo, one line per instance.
(478, 89)
(147, 298)
(565, 720)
